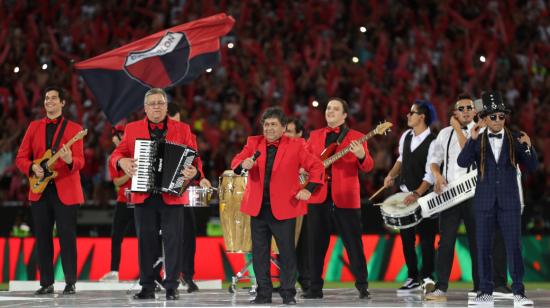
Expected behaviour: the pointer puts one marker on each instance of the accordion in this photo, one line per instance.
(159, 166)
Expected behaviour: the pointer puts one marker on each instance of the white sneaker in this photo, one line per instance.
(482, 299)
(110, 276)
(521, 300)
(436, 295)
(428, 285)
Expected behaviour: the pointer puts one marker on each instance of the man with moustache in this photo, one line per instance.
(497, 152)
(274, 198)
(156, 211)
(336, 204)
(58, 203)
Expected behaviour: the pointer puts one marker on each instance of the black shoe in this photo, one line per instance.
(364, 293)
(289, 300)
(191, 286)
(69, 289)
(145, 294)
(172, 294)
(44, 290)
(260, 299)
(313, 294)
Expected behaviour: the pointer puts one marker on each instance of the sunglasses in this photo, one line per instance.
(413, 112)
(494, 117)
(462, 108)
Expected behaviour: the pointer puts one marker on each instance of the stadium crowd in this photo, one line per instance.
(378, 55)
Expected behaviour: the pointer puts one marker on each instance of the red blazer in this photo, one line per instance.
(121, 193)
(33, 146)
(177, 132)
(291, 155)
(345, 171)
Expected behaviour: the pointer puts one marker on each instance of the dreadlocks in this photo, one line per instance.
(511, 149)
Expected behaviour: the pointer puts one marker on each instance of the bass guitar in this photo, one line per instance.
(46, 162)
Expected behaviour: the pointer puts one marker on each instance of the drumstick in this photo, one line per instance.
(377, 192)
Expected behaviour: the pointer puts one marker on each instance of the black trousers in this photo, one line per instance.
(123, 219)
(263, 227)
(322, 219)
(45, 212)
(427, 230)
(302, 256)
(151, 217)
(189, 243)
(449, 221)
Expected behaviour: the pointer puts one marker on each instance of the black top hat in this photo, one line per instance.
(492, 102)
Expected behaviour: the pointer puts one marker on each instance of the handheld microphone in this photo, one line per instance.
(527, 148)
(239, 168)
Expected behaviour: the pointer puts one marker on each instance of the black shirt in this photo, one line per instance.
(50, 132)
(265, 211)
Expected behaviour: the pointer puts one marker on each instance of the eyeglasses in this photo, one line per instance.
(156, 104)
(493, 117)
(413, 112)
(462, 108)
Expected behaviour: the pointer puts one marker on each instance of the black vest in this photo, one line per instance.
(413, 165)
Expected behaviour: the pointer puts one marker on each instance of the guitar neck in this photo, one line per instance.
(56, 156)
(329, 161)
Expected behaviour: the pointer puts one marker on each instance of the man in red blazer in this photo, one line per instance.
(337, 202)
(156, 211)
(274, 198)
(58, 203)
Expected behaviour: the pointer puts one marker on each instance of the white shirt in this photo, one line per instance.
(438, 153)
(496, 143)
(415, 142)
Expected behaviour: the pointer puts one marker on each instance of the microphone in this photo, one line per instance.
(527, 148)
(239, 168)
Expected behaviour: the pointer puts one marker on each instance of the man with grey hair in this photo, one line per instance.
(156, 211)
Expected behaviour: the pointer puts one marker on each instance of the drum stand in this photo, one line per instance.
(159, 262)
(242, 275)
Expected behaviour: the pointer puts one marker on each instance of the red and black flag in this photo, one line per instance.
(120, 78)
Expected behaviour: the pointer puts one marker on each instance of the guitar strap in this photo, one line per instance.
(59, 135)
(343, 132)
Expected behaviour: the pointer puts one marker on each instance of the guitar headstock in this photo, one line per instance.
(80, 134)
(383, 128)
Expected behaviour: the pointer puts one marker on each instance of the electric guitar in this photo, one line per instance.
(329, 157)
(46, 161)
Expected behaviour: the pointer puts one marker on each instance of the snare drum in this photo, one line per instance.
(199, 196)
(235, 224)
(397, 215)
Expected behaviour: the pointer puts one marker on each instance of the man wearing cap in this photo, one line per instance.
(497, 151)
(415, 177)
